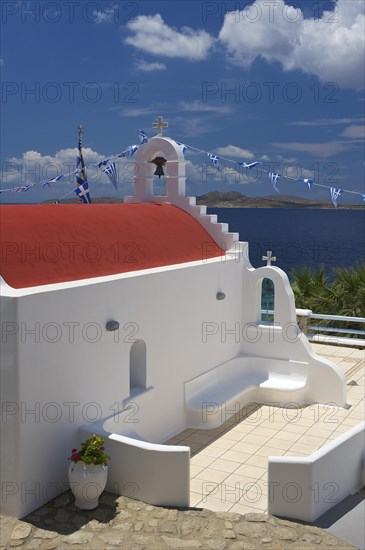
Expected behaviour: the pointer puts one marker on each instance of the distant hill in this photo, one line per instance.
(235, 199)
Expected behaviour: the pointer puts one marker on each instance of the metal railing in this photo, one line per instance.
(325, 334)
(314, 331)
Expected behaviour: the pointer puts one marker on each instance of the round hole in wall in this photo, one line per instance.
(220, 295)
(112, 325)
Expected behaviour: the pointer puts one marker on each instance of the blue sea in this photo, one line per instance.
(299, 237)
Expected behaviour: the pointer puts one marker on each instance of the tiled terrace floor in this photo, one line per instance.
(229, 464)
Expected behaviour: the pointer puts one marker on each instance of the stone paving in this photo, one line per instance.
(229, 471)
(120, 522)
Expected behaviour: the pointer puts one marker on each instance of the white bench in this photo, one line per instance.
(219, 393)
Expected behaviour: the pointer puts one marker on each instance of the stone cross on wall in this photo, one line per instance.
(269, 257)
(160, 124)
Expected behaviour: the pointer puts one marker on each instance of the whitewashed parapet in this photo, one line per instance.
(303, 317)
(305, 488)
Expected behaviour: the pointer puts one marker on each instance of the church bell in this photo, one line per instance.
(160, 163)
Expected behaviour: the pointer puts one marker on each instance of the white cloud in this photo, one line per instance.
(234, 151)
(326, 122)
(320, 150)
(2, 63)
(331, 47)
(152, 35)
(296, 172)
(138, 111)
(109, 15)
(188, 126)
(143, 65)
(206, 173)
(198, 106)
(354, 132)
(32, 166)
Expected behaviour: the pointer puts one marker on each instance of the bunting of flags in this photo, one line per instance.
(248, 166)
(274, 177)
(335, 193)
(214, 159)
(22, 188)
(142, 136)
(111, 172)
(274, 180)
(131, 150)
(309, 182)
(182, 146)
(19, 189)
(103, 163)
(128, 153)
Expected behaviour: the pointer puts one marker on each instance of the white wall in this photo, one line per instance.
(68, 383)
(55, 383)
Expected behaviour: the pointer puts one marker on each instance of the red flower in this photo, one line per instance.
(77, 458)
(74, 450)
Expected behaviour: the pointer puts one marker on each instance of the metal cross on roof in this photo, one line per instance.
(269, 257)
(160, 124)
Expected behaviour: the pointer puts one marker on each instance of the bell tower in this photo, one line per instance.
(174, 168)
(147, 163)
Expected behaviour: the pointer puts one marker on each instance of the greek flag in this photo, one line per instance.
(26, 187)
(81, 176)
(111, 172)
(363, 197)
(248, 166)
(335, 193)
(274, 180)
(214, 159)
(22, 188)
(103, 163)
(142, 136)
(182, 146)
(83, 193)
(309, 182)
(131, 150)
(54, 180)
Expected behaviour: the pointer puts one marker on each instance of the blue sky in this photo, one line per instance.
(273, 81)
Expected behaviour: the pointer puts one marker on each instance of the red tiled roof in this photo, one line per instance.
(49, 243)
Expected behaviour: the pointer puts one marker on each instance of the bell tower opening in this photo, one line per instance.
(159, 179)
